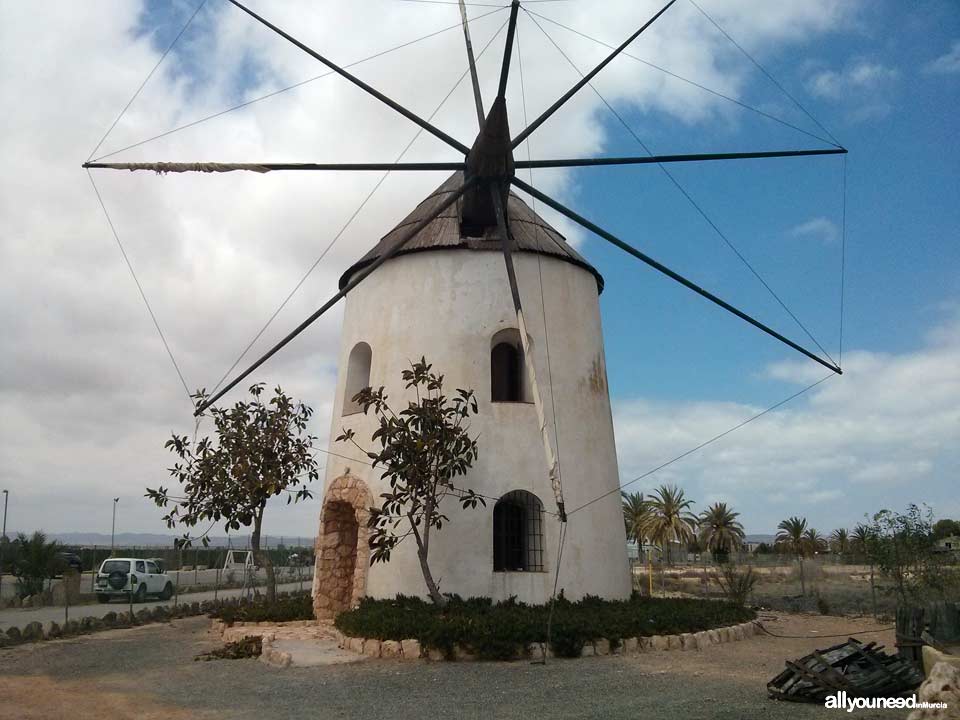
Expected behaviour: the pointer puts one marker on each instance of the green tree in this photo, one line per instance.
(859, 539)
(635, 512)
(840, 542)
(720, 531)
(669, 519)
(34, 562)
(422, 450)
(905, 551)
(945, 528)
(262, 450)
(815, 542)
(791, 539)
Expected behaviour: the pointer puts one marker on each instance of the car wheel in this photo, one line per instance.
(103, 598)
(141, 594)
(167, 592)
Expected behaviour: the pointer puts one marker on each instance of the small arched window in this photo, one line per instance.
(358, 376)
(518, 533)
(507, 371)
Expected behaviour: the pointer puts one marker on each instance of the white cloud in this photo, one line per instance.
(885, 433)
(859, 76)
(819, 228)
(946, 64)
(87, 395)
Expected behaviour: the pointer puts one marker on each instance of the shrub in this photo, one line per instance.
(736, 584)
(285, 608)
(504, 630)
(249, 647)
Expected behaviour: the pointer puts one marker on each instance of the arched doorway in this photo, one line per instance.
(343, 555)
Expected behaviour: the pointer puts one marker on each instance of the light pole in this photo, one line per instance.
(3, 537)
(113, 525)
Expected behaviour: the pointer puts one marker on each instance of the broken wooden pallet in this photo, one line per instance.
(861, 669)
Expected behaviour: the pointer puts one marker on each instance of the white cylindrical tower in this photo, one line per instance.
(446, 297)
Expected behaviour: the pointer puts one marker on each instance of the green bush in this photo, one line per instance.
(504, 630)
(286, 608)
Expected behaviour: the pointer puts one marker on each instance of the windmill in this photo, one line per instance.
(478, 193)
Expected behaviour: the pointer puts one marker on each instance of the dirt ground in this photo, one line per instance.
(149, 672)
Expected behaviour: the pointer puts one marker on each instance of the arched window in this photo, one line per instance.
(358, 376)
(507, 371)
(518, 533)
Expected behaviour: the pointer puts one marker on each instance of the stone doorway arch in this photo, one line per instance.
(342, 551)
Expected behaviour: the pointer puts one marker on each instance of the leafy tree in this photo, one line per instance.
(261, 450)
(669, 519)
(422, 449)
(720, 531)
(791, 539)
(945, 528)
(764, 549)
(905, 551)
(840, 541)
(34, 561)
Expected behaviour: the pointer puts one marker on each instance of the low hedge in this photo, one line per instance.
(286, 608)
(503, 630)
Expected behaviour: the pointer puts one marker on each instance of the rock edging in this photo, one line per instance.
(412, 650)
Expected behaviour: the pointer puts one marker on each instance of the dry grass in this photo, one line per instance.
(832, 589)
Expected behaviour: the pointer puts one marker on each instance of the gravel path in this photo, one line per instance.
(20, 616)
(148, 673)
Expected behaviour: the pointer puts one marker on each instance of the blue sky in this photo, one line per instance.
(883, 77)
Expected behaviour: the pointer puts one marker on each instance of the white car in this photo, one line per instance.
(119, 577)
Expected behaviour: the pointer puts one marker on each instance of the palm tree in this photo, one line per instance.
(840, 541)
(635, 512)
(720, 532)
(669, 519)
(791, 537)
(815, 542)
(859, 539)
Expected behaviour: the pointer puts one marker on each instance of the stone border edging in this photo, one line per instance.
(412, 650)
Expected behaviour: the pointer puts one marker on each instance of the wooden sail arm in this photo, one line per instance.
(472, 62)
(216, 167)
(436, 132)
(585, 79)
(553, 470)
(657, 159)
(355, 280)
(600, 232)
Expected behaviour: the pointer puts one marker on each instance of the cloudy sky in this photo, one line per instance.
(88, 393)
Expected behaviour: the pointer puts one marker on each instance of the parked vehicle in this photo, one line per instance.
(121, 577)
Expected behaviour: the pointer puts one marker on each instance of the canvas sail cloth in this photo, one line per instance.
(529, 233)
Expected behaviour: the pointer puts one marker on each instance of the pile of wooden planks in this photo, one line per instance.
(862, 669)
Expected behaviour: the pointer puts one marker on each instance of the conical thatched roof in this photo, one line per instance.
(530, 232)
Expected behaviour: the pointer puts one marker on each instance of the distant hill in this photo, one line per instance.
(89, 539)
(760, 538)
